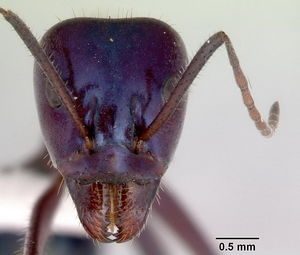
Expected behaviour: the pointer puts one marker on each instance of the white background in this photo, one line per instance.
(232, 181)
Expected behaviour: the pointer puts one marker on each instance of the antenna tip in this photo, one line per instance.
(274, 116)
(3, 11)
(275, 107)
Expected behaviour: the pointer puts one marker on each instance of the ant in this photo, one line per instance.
(111, 97)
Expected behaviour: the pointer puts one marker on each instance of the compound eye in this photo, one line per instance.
(169, 86)
(51, 96)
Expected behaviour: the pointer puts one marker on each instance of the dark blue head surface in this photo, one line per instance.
(119, 74)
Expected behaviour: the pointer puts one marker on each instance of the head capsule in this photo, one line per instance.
(119, 73)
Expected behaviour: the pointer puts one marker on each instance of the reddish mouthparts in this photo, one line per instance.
(113, 212)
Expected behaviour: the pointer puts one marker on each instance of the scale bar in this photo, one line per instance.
(237, 238)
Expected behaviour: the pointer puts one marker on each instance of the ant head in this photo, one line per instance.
(118, 75)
